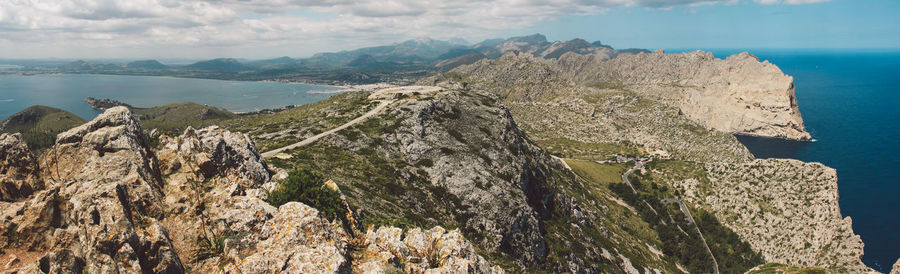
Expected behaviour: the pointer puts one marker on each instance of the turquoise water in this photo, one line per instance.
(67, 91)
(850, 102)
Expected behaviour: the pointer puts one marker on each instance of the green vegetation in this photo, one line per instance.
(308, 187)
(210, 246)
(677, 234)
(599, 173)
(614, 84)
(773, 268)
(39, 125)
(177, 117)
(567, 148)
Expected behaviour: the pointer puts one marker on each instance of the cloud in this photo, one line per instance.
(216, 26)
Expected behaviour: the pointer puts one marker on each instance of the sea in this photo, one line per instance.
(850, 102)
(68, 91)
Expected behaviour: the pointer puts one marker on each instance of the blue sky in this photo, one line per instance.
(836, 24)
(199, 29)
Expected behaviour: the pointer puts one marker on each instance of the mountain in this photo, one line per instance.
(40, 124)
(219, 65)
(450, 63)
(514, 164)
(401, 63)
(146, 64)
(411, 51)
(682, 109)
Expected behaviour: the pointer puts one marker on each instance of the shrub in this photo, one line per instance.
(309, 187)
(210, 246)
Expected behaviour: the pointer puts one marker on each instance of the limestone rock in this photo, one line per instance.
(19, 172)
(296, 240)
(214, 151)
(432, 251)
(739, 94)
(786, 209)
(102, 206)
(896, 268)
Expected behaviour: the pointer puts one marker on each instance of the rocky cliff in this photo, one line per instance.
(589, 108)
(787, 209)
(103, 200)
(738, 94)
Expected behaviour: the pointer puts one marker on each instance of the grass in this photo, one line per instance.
(568, 148)
(773, 268)
(176, 117)
(600, 173)
(615, 84)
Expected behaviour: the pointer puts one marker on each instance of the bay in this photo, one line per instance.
(68, 91)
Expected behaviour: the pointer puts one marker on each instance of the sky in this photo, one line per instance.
(256, 29)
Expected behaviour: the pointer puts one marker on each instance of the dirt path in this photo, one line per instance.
(687, 213)
(385, 97)
(639, 164)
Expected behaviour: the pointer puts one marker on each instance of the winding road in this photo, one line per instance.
(384, 96)
(639, 164)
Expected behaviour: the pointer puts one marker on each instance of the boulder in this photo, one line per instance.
(295, 240)
(102, 206)
(19, 172)
(433, 251)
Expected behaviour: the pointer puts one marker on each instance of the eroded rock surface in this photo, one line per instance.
(101, 208)
(109, 207)
(19, 173)
(786, 209)
(738, 94)
(415, 251)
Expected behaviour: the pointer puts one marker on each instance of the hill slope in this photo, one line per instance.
(40, 124)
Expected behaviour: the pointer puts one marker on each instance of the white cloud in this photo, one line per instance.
(30, 28)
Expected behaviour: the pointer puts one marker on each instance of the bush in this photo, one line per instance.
(309, 187)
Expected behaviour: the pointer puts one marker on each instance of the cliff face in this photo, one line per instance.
(111, 203)
(787, 209)
(739, 94)
(586, 106)
(548, 105)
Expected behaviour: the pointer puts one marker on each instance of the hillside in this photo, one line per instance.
(625, 110)
(549, 157)
(40, 124)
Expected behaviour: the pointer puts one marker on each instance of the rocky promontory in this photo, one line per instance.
(738, 94)
(103, 200)
(104, 104)
(787, 209)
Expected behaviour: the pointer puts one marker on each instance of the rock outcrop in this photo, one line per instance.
(419, 251)
(105, 201)
(104, 104)
(101, 208)
(738, 94)
(786, 209)
(896, 268)
(294, 240)
(19, 173)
